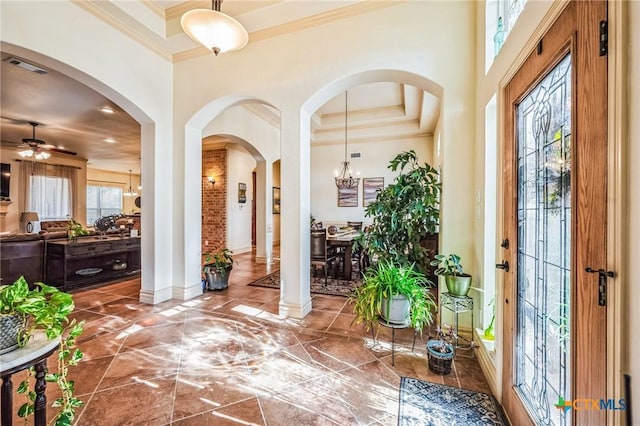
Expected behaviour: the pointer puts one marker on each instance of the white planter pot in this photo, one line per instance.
(396, 310)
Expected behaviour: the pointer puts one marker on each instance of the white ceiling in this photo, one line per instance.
(69, 111)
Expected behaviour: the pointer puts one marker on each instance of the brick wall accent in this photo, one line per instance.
(214, 199)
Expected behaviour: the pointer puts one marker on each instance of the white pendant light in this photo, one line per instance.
(214, 30)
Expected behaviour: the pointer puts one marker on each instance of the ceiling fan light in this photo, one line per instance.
(42, 155)
(215, 30)
(25, 153)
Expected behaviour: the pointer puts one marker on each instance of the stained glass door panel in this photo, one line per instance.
(544, 209)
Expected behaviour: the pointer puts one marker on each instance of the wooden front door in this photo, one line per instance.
(555, 199)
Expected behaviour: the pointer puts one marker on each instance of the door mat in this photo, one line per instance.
(333, 287)
(425, 403)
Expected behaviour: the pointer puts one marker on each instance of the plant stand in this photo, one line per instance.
(457, 304)
(393, 328)
(34, 354)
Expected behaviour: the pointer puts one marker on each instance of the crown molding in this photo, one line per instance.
(383, 138)
(296, 25)
(178, 10)
(155, 9)
(114, 22)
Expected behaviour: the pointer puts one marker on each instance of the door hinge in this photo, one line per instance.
(604, 38)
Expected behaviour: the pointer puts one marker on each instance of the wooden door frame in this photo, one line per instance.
(559, 41)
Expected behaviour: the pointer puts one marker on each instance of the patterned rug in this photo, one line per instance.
(424, 403)
(333, 287)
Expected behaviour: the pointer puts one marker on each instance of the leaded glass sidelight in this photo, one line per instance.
(543, 137)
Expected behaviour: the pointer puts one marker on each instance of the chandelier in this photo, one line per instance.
(344, 179)
(213, 29)
(130, 192)
(36, 153)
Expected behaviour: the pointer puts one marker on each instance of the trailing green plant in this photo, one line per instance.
(46, 308)
(404, 213)
(219, 260)
(447, 264)
(75, 229)
(385, 280)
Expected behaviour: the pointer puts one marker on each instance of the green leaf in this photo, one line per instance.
(25, 410)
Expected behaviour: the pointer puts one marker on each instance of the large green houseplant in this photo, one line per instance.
(217, 268)
(404, 213)
(45, 308)
(382, 284)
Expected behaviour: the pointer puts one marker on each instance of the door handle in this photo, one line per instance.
(602, 283)
(504, 265)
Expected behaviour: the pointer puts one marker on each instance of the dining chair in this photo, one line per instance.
(321, 255)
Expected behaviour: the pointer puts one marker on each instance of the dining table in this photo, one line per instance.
(344, 238)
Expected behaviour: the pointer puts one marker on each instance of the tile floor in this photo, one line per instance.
(226, 358)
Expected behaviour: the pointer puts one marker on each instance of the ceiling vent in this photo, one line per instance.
(25, 65)
(355, 155)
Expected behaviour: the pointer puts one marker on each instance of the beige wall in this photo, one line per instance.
(12, 218)
(326, 161)
(121, 180)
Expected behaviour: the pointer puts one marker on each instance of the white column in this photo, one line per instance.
(156, 214)
(295, 296)
(264, 218)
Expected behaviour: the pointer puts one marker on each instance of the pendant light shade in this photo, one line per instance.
(214, 30)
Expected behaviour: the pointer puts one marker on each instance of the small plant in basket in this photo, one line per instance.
(441, 350)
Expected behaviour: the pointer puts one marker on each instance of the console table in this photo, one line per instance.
(34, 354)
(89, 260)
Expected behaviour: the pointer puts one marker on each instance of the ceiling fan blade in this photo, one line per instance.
(62, 151)
(33, 141)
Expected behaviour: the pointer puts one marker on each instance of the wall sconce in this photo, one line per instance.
(211, 180)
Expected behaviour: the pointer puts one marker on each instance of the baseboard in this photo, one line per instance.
(242, 250)
(294, 311)
(486, 362)
(186, 293)
(154, 297)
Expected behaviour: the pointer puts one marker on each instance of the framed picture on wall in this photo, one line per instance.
(370, 189)
(242, 192)
(276, 200)
(348, 197)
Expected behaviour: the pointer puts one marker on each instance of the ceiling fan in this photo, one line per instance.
(37, 148)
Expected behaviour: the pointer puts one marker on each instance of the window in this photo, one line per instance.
(103, 201)
(50, 196)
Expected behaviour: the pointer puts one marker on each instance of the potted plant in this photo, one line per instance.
(441, 350)
(217, 268)
(74, 230)
(396, 293)
(404, 214)
(458, 282)
(43, 308)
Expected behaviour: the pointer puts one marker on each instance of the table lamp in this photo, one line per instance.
(29, 217)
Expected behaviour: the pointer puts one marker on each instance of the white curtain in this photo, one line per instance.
(49, 190)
